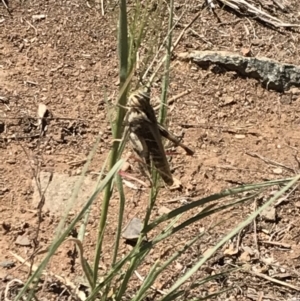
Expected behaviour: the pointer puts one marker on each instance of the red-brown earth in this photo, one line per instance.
(68, 61)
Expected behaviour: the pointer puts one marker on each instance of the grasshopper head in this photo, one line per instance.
(139, 99)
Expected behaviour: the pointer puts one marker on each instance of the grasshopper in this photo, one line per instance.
(145, 134)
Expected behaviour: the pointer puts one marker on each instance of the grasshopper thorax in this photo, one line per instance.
(139, 99)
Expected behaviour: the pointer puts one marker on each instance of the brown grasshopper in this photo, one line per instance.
(145, 134)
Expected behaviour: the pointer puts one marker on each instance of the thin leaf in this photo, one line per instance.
(57, 242)
(227, 237)
(211, 198)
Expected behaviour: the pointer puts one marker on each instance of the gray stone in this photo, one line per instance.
(133, 229)
(272, 74)
(60, 190)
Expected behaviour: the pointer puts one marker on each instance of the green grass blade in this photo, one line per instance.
(57, 242)
(155, 270)
(117, 128)
(134, 262)
(120, 217)
(138, 253)
(82, 229)
(165, 82)
(201, 282)
(227, 237)
(211, 198)
(148, 281)
(119, 229)
(61, 224)
(209, 210)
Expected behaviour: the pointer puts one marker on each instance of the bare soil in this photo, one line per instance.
(68, 61)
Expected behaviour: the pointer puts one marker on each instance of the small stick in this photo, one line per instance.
(284, 198)
(128, 176)
(229, 167)
(170, 101)
(178, 199)
(260, 296)
(20, 138)
(76, 163)
(48, 118)
(225, 127)
(36, 176)
(268, 278)
(238, 241)
(36, 33)
(184, 30)
(255, 155)
(102, 8)
(277, 243)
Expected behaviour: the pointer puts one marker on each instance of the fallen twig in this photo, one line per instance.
(36, 33)
(181, 199)
(229, 167)
(244, 7)
(276, 243)
(285, 197)
(280, 5)
(268, 161)
(260, 296)
(170, 101)
(271, 279)
(13, 137)
(128, 176)
(255, 228)
(37, 118)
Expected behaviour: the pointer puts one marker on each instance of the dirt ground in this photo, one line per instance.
(68, 61)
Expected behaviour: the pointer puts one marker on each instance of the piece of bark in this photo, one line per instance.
(272, 74)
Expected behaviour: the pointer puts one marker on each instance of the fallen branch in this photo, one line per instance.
(268, 161)
(271, 279)
(243, 7)
(272, 74)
